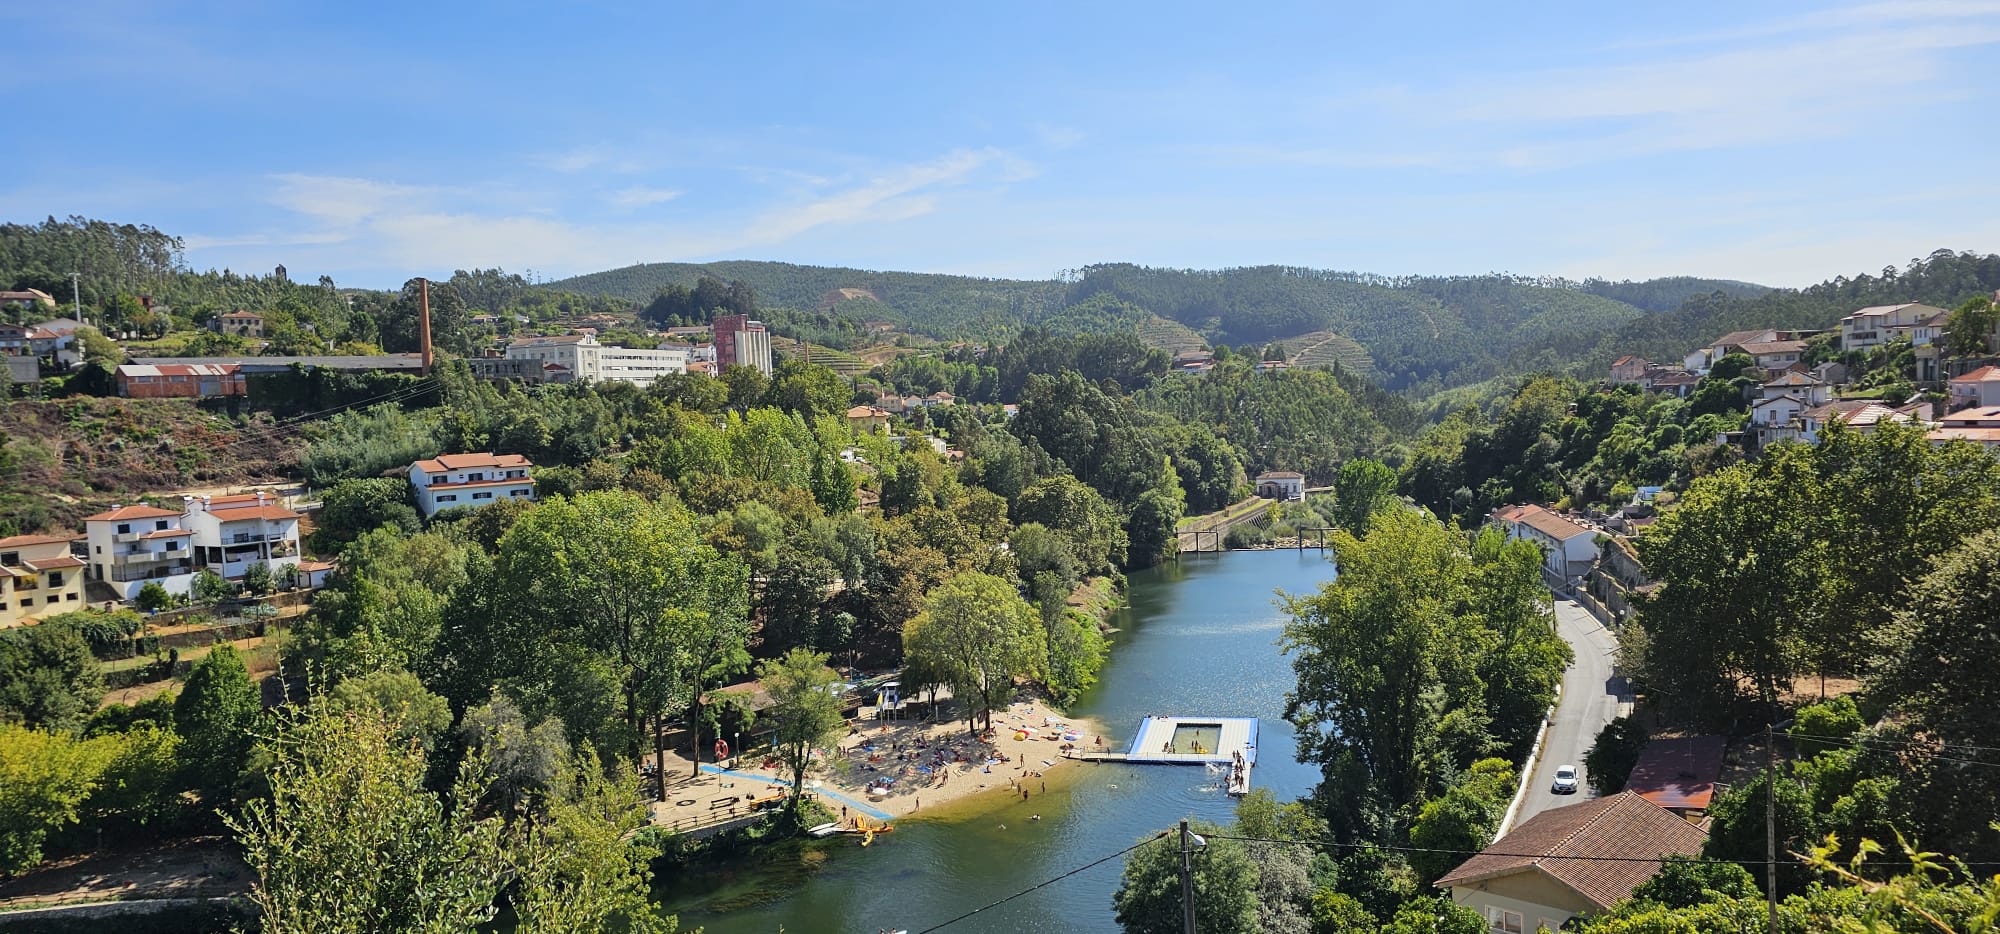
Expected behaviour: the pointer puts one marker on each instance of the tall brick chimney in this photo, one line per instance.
(424, 323)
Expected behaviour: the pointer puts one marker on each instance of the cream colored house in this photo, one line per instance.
(38, 578)
(1569, 861)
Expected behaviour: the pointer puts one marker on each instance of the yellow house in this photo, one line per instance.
(38, 578)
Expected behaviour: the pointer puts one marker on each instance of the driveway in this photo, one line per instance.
(1591, 697)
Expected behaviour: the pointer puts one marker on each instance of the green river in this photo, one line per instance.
(1198, 638)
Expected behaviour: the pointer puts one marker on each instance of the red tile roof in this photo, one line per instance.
(1543, 521)
(241, 513)
(54, 564)
(168, 533)
(17, 541)
(125, 513)
(1985, 374)
(1678, 773)
(444, 462)
(1571, 845)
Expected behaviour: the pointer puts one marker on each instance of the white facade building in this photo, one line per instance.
(1568, 549)
(1878, 324)
(591, 362)
(451, 480)
(130, 545)
(231, 533)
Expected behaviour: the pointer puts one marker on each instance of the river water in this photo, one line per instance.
(1198, 638)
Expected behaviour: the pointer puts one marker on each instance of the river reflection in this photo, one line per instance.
(1199, 638)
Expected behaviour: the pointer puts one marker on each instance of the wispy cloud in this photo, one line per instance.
(1813, 78)
(639, 197)
(371, 223)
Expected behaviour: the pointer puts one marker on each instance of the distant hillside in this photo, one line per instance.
(1671, 292)
(949, 307)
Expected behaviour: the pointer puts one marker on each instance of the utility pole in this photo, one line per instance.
(1187, 880)
(1771, 823)
(76, 296)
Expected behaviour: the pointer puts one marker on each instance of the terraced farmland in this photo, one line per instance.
(1170, 336)
(1319, 348)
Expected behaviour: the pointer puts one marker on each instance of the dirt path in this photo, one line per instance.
(198, 868)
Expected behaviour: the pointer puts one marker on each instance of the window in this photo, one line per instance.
(10, 558)
(160, 526)
(100, 549)
(124, 528)
(27, 601)
(448, 498)
(1506, 922)
(70, 597)
(486, 495)
(55, 578)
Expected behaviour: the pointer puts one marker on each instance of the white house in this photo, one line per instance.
(1980, 387)
(450, 480)
(1282, 485)
(130, 545)
(1568, 549)
(232, 533)
(1878, 324)
(1579, 859)
(38, 578)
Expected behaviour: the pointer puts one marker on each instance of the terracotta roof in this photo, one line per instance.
(242, 513)
(866, 411)
(1965, 433)
(1791, 377)
(168, 533)
(125, 513)
(54, 564)
(1678, 773)
(1567, 844)
(132, 370)
(1543, 521)
(1760, 348)
(311, 566)
(1738, 337)
(1281, 475)
(444, 462)
(1628, 358)
(16, 541)
(1985, 374)
(234, 498)
(1873, 311)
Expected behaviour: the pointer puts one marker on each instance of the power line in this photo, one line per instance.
(1050, 881)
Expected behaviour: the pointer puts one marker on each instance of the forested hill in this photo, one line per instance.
(1944, 279)
(1418, 331)
(945, 306)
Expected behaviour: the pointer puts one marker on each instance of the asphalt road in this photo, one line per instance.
(1590, 699)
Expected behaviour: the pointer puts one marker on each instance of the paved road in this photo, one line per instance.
(1591, 697)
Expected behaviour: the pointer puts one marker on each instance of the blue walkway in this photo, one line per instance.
(823, 792)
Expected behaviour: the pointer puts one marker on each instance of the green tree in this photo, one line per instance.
(1829, 722)
(805, 710)
(351, 507)
(351, 840)
(1971, 326)
(807, 389)
(257, 579)
(48, 678)
(1148, 900)
(1069, 508)
(1462, 820)
(1362, 488)
(1684, 883)
(45, 779)
(978, 634)
(215, 716)
(747, 385)
(1612, 756)
(153, 598)
(209, 588)
(418, 715)
(579, 865)
(1737, 832)
(1386, 656)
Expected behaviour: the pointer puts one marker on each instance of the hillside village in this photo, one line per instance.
(272, 567)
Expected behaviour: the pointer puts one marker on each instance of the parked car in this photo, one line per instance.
(1565, 783)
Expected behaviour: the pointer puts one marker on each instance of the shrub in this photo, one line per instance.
(1612, 757)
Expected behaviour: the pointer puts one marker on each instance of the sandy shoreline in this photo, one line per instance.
(931, 768)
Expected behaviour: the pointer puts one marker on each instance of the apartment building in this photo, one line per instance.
(591, 362)
(741, 341)
(130, 545)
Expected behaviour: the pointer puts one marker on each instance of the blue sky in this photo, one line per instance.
(1776, 142)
